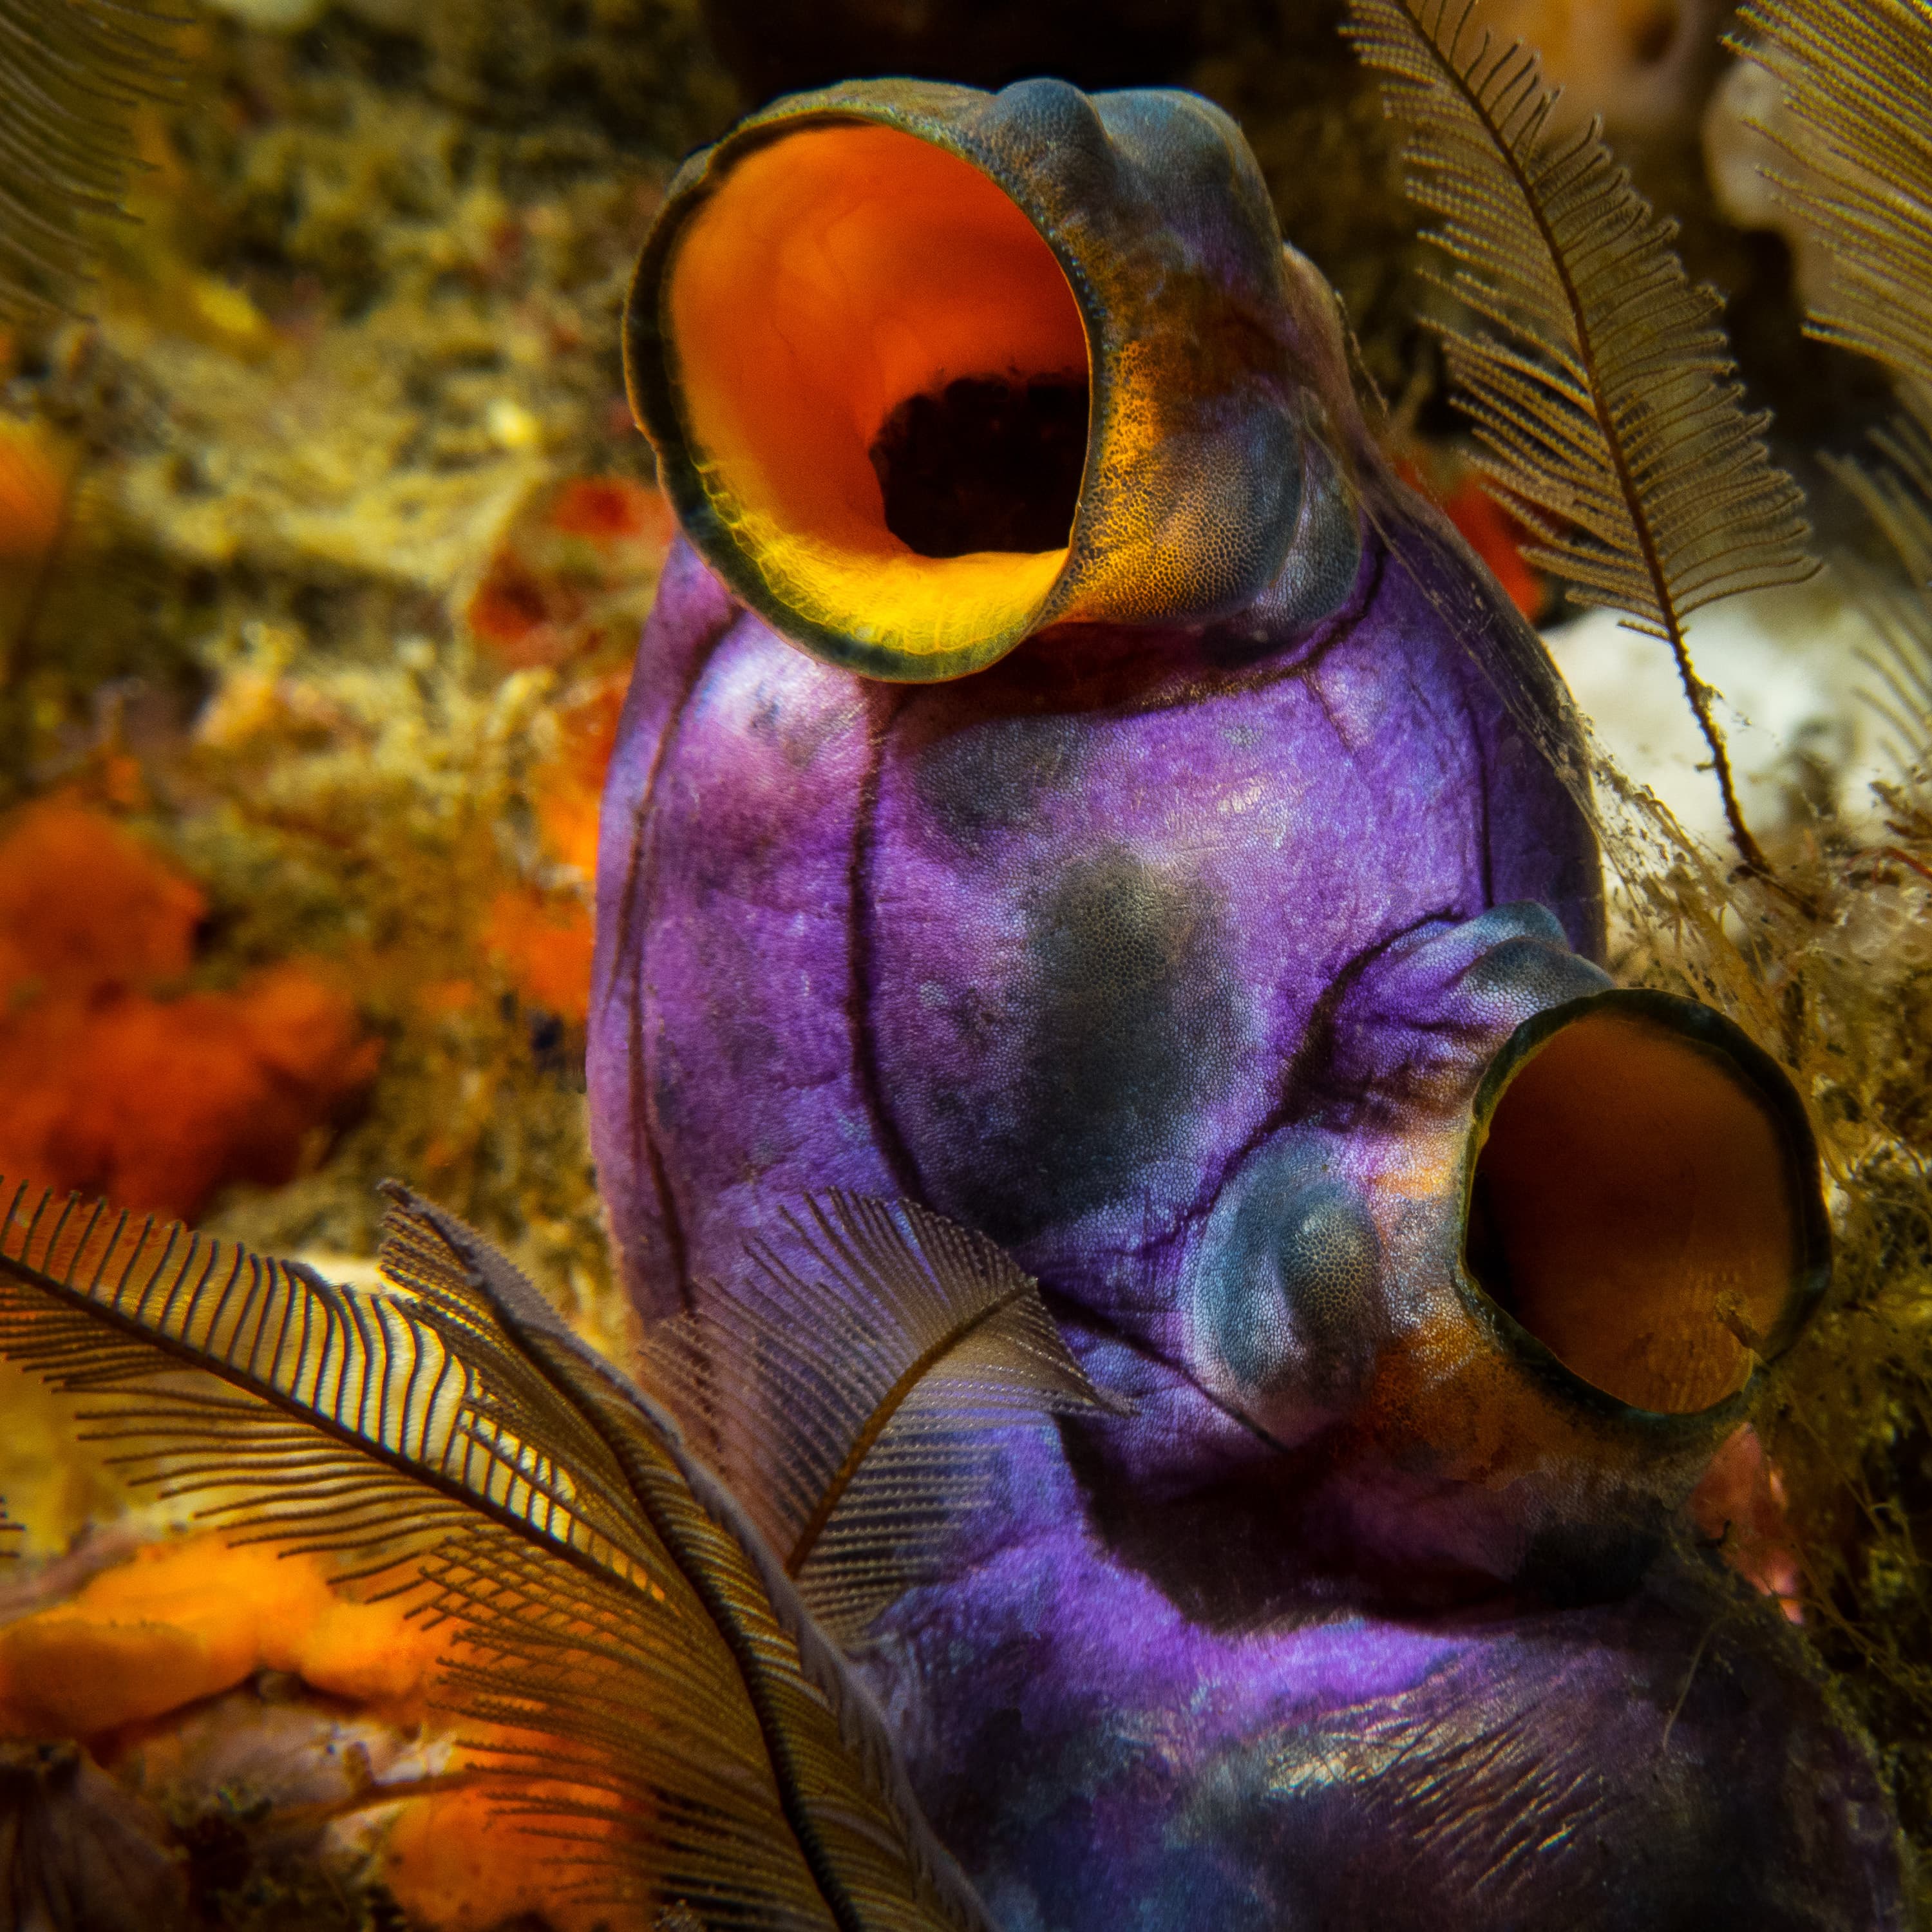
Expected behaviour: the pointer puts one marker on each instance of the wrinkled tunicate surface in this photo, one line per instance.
(1172, 957)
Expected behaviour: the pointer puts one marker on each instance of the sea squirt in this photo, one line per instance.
(1161, 851)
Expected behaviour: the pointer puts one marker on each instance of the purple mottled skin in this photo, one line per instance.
(1100, 1756)
(1040, 947)
(1170, 960)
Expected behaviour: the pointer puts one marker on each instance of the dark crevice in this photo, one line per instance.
(1483, 1254)
(989, 464)
(641, 883)
(676, 1241)
(1070, 1311)
(862, 985)
(1305, 1075)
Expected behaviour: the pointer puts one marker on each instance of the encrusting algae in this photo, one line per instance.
(323, 554)
(309, 625)
(334, 792)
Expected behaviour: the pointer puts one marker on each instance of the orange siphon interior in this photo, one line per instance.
(834, 274)
(1633, 1208)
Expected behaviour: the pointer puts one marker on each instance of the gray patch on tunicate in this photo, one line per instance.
(1128, 1018)
(993, 776)
(1323, 562)
(1285, 1286)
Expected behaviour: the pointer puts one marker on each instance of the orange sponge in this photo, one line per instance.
(189, 1619)
(85, 904)
(543, 937)
(186, 1620)
(113, 1088)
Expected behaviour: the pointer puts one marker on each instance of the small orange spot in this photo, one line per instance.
(122, 782)
(1488, 528)
(442, 996)
(545, 938)
(546, 944)
(571, 572)
(1493, 534)
(35, 469)
(1740, 1505)
(508, 606)
(570, 788)
(608, 507)
(568, 814)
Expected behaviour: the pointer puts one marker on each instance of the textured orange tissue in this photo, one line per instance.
(545, 938)
(118, 1087)
(1740, 1506)
(184, 1621)
(454, 1862)
(187, 1620)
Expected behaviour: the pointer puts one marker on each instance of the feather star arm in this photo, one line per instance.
(72, 74)
(1857, 136)
(1599, 384)
(1857, 81)
(860, 1436)
(608, 1601)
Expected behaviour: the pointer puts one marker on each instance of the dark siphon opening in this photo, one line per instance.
(990, 463)
(1483, 1255)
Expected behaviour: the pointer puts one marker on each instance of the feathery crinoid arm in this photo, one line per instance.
(1598, 382)
(853, 1386)
(608, 1604)
(1857, 133)
(1857, 80)
(72, 74)
(1896, 492)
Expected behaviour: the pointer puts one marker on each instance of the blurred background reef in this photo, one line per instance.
(326, 537)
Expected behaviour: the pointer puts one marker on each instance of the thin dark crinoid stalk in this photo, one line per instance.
(1600, 386)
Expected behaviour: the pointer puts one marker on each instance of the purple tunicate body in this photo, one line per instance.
(1102, 1751)
(1040, 947)
(1130, 929)
(1188, 960)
